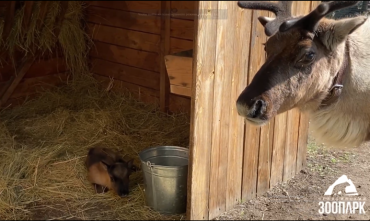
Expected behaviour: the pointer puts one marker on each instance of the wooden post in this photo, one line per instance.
(164, 87)
(202, 112)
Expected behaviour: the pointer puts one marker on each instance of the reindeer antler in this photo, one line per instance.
(282, 10)
(311, 21)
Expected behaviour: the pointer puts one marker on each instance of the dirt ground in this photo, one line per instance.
(299, 198)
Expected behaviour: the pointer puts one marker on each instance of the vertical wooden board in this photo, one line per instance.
(277, 162)
(302, 141)
(303, 8)
(265, 150)
(164, 88)
(217, 183)
(252, 134)
(290, 159)
(201, 115)
(242, 24)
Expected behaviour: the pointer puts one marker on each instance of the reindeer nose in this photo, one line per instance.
(257, 109)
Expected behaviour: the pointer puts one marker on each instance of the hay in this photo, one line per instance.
(43, 145)
(37, 38)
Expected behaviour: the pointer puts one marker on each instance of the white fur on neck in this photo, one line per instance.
(338, 129)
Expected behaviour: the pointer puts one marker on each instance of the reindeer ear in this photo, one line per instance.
(264, 20)
(341, 29)
(105, 165)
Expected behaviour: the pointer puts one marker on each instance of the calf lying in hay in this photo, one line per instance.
(44, 142)
(108, 171)
(318, 65)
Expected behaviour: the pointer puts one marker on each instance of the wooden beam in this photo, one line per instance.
(202, 113)
(14, 81)
(164, 50)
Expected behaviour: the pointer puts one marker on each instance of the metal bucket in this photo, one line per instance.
(165, 170)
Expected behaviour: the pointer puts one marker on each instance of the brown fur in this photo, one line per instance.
(107, 170)
(291, 79)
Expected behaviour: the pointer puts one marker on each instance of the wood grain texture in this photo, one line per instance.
(180, 70)
(123, 19)
(125, 73)
(252, 134)
(220, 132)
(183, 29)
(183, 10)
(124, 37)
(178, 45)
(164, 88)
(127, 56)
(201, 116)
(150, 7)
(240, 61)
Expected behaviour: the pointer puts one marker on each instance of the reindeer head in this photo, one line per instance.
(304, 54)
(108, 169)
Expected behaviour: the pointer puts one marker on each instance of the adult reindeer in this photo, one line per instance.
(316, 64)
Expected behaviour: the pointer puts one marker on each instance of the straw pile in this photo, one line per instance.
(40, 36)
(43, 145)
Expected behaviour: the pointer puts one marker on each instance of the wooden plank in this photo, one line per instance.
(122, 19)
(265, 150)
(125, 73)
(39, 84)
(127, 56)
(14, 81)
(290, 163)
(290, 155)
(143, 94)
(183, 29)
(179, 104)
(125, 38)
(231, 188)
(183, 10)
(8, 23)
(201, 115)
(277, 164)
(303, 8)
(179, 70)
(152, 7)
(302, 141)
(46, 67)
(60, 17)
(220, 138)
(178, 45)
(164, 88)
(183, 91)
(237, 126)
(252, 134)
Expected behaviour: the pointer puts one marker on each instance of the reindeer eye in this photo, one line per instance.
(310, 56)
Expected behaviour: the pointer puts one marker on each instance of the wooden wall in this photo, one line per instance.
(127, 38)
(46, 72)
(231, 160)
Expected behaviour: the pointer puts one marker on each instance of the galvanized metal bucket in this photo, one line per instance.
(165, 171)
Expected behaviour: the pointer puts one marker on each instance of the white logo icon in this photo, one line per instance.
(349, 190)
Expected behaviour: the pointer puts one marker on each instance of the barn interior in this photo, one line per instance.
(75, 75)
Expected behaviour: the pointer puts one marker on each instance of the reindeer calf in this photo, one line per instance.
(108, 171)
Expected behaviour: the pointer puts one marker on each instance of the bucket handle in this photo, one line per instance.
(150, 165)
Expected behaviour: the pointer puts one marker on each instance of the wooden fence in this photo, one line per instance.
(232, 161)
